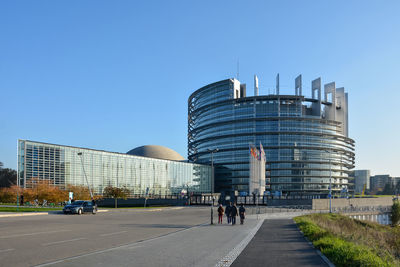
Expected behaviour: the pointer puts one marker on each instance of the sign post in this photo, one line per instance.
(145, 199)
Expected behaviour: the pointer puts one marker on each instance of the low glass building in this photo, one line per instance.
(305, 139)
(67, 165)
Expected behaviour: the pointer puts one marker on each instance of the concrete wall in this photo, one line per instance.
(139, 202)
(289, 202)
(323, 204)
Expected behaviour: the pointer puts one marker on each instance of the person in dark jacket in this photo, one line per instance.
(234, 213)
(228, 213)
(220, 213)
(242, 212)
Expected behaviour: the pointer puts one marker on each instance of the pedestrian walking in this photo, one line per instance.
(242, 212)
(220, 213)
(234, 213)
(228, 213)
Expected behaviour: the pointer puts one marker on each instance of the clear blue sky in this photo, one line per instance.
(115, 75)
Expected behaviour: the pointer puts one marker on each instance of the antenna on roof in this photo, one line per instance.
(277, 84)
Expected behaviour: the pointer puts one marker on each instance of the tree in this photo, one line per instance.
(44, 190)
(395, 215)
(115, 193)
(9, 194)
(80, 192)
(8, 177)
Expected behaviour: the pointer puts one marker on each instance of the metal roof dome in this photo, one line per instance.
(158, 152)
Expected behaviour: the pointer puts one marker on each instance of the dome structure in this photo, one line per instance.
(158, 152)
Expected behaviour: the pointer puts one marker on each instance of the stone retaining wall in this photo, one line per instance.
(323, 204)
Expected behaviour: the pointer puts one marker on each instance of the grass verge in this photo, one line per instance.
(25, 209)
(349, 242)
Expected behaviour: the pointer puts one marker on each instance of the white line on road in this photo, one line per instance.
(115, 233)
(133, 245)
(235, 252)
(37, 233)
(63, 241)
(5, 250)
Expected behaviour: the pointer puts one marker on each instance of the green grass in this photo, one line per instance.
(27, 209)
(349, 242)
(141, 207)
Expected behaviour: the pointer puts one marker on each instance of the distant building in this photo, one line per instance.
(361, 179)
(155, 170)
(378, 182)
(395, 181)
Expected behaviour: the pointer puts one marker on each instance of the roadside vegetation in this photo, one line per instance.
(350, 242)
(41, 193)
(28, 209)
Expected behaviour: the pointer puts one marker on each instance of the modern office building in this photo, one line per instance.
(305, 138)
(160, 169)
(378, 182)
(361, 180)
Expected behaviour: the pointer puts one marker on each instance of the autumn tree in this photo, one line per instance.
(9, 194)
(115, 193)
(80, 192)
(44, 190)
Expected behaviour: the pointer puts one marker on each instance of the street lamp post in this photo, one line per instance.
(330, 184)
(212, 151)
(83, 167)
(330, 180)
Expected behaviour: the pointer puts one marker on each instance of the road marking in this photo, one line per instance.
(235, 252)
(133, 247)
(126, 246)
(63, 241)
(5, 250)
(24, 214)
(37, 233)
(115, 233)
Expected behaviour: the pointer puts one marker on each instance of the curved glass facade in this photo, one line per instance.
(305, 139)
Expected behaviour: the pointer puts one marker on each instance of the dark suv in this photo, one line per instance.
(79, 207)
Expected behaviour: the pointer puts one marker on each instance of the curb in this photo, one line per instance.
(324, 258)
(24, 214)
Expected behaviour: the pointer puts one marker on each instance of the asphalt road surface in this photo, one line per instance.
(156, 237)
(34, 240)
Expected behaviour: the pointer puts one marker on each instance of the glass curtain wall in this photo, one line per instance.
(303, 151)
(62, 166)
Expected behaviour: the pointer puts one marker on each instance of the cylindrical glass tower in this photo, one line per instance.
(305, 139)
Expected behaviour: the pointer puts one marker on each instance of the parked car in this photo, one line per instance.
(80, 207)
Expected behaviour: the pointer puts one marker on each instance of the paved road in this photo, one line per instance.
(159, 237)
(278, 243)
(32, 240)
(162, 237)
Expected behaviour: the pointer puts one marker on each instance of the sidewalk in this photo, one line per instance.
(279, 243)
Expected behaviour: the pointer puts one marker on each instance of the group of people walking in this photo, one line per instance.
(231, 212)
